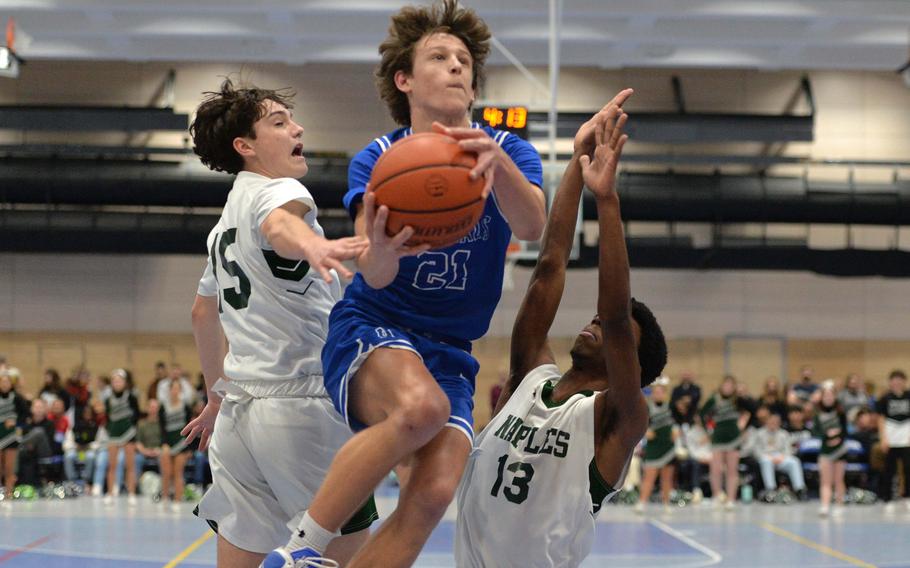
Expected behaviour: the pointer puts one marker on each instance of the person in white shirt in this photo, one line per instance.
(774, 452)
(260, 320)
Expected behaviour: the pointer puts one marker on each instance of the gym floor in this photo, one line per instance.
(80, 533)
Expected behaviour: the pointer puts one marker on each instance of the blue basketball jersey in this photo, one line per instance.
(450, 292)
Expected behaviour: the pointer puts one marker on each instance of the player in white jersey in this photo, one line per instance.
(260, 319)
(559, 443)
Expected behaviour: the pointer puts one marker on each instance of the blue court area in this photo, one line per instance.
(85, 532)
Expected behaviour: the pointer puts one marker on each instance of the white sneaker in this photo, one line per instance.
(6, 504)
(96, 490)
(667, 509)
(132, 501)
(697, 496)
(108, 499)
(889, 508)
(823, 511)
(729, 505)
(175, 507)
(907, 503)
(837, 510)
(639, 508)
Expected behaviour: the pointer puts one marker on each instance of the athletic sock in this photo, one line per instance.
(310, 534)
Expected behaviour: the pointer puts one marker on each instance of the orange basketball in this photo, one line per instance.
(424, 181)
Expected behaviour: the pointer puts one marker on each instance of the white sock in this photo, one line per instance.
(310, 534)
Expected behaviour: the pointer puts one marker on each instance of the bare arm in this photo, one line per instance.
(212, 347)
(530, 348)
(614, 296)
(292, 238)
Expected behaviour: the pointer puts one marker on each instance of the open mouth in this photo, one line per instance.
(587, 333)
(298, 150)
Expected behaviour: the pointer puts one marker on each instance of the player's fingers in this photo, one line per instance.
(369, 212)
(402, 237)
(620, 145)
(484, 164)
(617, 130)
(488, 185)
(340, 268)
(585, 162)
(382, 215)
(324, 271)
(204, 441)
(599, 130)
(440, 128)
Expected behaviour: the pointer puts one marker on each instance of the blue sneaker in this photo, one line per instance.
(303, 558)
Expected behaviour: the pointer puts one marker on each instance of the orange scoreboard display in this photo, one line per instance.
(513, 119)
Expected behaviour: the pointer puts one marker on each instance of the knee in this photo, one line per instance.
(434, 498)
(423, 412)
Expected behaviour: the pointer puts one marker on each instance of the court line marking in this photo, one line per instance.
(714, 556)
(190, 549)
(14, 553)
(815, 545)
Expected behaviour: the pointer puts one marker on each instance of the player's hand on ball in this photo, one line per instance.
(584, 138)
(489, 154)
(599, 172)
(382, 247)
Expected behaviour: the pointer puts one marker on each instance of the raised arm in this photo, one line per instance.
(530, 347)
(614, 302)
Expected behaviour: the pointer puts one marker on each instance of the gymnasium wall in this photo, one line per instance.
(109, 310)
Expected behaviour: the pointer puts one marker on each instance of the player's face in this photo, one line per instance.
(277, 149)
(588, 346)
(439, 85)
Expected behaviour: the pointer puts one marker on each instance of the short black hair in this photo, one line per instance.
(897, 374)
(227, 114)
(652, 348)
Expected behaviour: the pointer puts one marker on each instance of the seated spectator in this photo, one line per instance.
(77, 388)
(57, 415)
(160, 375)
(797, 429)
(774, 452)
(148, 438)
(772, 398)
(187, 392)
(853, 397)
(14, 411)
(36, 445)
(804, 387)
(53, 389)
(79, 445)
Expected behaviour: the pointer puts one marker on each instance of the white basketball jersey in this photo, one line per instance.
(274, 311)
(531, 491)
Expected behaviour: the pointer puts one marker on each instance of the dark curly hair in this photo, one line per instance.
(412, 24)
(226, 114)
(652, 348)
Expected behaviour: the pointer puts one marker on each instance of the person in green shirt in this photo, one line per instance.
(148, 436)
(173, 417)
(122, 411)
(660, 447)
(729, 417)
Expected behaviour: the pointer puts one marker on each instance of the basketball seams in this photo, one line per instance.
(433, 211)
(417, 169)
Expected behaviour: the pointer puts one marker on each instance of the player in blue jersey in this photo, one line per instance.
(397, 360)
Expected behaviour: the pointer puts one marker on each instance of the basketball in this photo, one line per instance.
(424, 181)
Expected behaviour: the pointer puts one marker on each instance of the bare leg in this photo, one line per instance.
(395, 394)
(112, 454)
(840, 485)
(666, 483)
(647, 484)
(732, 463)
(825, 474)
(165, 462)
(129, 454)
(229, 556)
(717, 468)
(343, 548)
(434, 478)
(177, 473)
(9, 470)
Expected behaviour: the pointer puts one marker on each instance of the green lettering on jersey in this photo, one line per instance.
(501, 433)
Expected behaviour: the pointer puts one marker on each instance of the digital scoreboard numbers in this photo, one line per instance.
(512, 119)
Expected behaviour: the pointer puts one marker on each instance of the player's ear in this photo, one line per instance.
(403, 81)
(243, 147)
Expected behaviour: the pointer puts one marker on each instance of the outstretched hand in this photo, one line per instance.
(584, 138)
(599, 173)
(384, 248)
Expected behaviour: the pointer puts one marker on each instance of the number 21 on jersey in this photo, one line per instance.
(440, 270)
